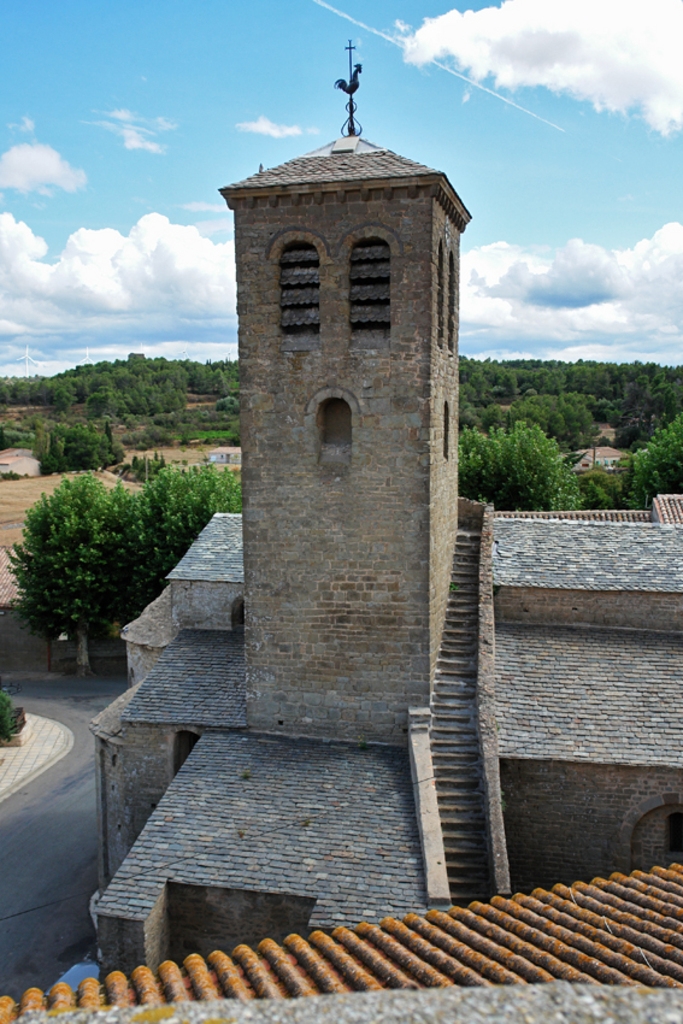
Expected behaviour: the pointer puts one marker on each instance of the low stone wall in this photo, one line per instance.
(107, 657)
(20, 650)
(632, 609)
(566, 821)
(560, 1002)
(499, 871)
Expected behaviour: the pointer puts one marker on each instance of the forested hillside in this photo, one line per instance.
(154, 402)
(146, 402)
(569, 400)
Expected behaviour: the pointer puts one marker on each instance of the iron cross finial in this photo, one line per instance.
(350, 126)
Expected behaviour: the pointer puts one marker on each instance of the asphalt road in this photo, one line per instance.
(48, 842)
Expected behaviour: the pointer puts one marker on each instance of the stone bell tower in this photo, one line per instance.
(347, 275)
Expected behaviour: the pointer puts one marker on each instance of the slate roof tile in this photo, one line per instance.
(285, 816)
(313, 169)
(566, 692)
(198, 680)
(588, 555)
(216, 555)
(616, 931)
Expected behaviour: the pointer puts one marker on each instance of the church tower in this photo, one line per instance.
(347, 278)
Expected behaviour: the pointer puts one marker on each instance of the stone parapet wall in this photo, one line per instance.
(566, 821)
(631, 609)
(107, 657)
(499, 870)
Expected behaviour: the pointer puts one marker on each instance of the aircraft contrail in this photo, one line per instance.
(438, 64)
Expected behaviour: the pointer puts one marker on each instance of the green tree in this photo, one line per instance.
(75, 565)
(516, 469)
(173, 508)
(600, 489)
(658, 469)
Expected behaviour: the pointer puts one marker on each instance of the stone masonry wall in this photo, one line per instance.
(443, 507)
(566, 821)
(199, 604)
(629, 608)
(133, 773)
(343, 562)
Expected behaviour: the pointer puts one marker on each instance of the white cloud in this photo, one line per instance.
(137, 132)
(621, 57)
(582, 300)
(162, 280)
(263, 126)
(34, 167)
(26, 125)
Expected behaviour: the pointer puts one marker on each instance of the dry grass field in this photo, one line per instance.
(16, 496)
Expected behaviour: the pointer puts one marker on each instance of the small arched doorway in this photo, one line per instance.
(657, 838)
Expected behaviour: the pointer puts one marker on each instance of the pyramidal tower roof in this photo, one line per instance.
(352, 160)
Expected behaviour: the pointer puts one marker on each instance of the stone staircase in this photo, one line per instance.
(456, 753)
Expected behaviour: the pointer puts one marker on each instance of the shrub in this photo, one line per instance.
(6, 716)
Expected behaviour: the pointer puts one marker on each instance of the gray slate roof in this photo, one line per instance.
(588, 555)
(318, 819)
(216, 555)
(611, 696)
(313, 169)
(198, 680)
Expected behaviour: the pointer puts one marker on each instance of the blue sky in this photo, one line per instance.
(119, 122)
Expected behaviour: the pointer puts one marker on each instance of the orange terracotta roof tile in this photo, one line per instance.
(625, 930)
(600, 515)
(8, 584)
(668, 509)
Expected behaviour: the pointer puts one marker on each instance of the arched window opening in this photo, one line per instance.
(334, 423)
(237, 614)
(439, 298)
(182, 748)
(451, 303)
(370, 285)
(676, 832)
(446, 429)
(300, 295)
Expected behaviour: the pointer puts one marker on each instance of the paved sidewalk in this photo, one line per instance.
(49, 742)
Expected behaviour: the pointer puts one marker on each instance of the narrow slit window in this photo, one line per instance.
(334, 422)
(439, 298)
(676, 832)
(300, 295)
(370, 285)
(446, 429)
(451, 303)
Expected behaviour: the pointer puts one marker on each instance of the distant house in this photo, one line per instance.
(226, 456)
(593, 458)
(20, 461)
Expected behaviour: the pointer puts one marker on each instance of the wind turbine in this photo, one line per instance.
(26, 359)
(183, 354)
(87, 357)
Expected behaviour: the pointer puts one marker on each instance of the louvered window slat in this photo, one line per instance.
(370, 277)
(300, 291)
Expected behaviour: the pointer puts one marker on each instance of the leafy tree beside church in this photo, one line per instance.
(74, 566)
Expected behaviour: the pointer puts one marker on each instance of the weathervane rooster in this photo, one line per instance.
(350, 126)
